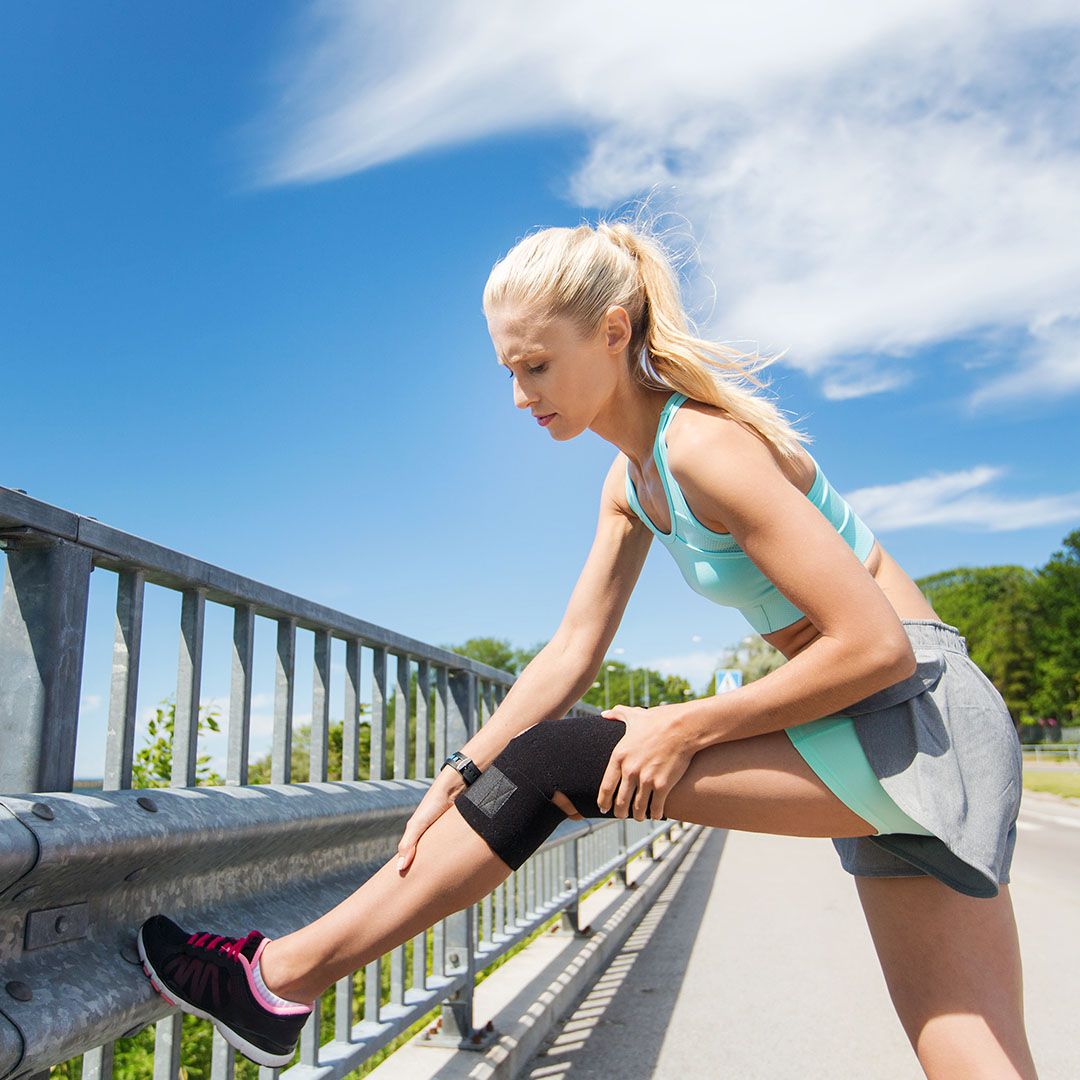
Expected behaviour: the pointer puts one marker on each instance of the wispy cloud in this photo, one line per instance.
(958, 499)
(863, 179)
(1050, 366)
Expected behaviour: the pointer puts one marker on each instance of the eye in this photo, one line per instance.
(538, 370)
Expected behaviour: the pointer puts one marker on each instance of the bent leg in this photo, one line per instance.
(760, 784)
(952, 966)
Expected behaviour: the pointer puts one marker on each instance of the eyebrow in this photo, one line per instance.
(523, 357)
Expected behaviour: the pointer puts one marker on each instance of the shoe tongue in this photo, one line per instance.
(251, 944)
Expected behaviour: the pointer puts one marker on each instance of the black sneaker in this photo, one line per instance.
(210, 975)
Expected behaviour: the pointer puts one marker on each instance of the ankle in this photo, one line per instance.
(277, 977)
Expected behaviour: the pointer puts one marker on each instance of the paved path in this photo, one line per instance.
(756, 963)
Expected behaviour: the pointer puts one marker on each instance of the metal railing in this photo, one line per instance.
(79, 871)
(1066, 753)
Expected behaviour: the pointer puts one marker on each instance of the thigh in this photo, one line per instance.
(761, 784)
(952, 966)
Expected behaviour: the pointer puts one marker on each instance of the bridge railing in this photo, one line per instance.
(80, 870)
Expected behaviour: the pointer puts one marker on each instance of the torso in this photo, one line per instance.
(907, 600)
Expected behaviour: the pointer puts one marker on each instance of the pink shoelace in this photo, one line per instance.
(227, 945)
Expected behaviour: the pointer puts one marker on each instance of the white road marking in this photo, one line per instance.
(1022, 825)
(1057, 819)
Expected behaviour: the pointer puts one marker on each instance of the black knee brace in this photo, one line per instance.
(510, 804)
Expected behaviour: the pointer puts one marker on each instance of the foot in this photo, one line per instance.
(212, 976)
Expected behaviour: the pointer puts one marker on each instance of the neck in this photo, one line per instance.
(629, 420)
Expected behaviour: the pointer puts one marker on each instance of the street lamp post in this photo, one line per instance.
(610, 667)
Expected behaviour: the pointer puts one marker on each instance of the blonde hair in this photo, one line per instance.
(581, 272)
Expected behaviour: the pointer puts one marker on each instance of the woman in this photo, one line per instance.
(879, 731)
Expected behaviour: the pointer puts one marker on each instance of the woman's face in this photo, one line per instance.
(561, 377)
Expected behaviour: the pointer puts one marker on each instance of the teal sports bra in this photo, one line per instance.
(714, 565)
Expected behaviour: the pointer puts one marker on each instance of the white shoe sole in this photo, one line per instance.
(234, 1039)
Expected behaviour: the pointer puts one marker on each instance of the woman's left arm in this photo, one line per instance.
(862, 645)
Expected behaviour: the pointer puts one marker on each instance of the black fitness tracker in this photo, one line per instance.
(465, 766)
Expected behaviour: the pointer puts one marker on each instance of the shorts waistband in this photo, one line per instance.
(930, 633)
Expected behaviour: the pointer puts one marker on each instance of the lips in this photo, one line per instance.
(543, 419)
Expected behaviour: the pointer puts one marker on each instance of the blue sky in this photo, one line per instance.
(244, 250)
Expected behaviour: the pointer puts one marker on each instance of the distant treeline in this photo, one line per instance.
(1022, 627)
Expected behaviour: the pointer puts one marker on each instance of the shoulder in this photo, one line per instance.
(721, 462)
(701, 435)
(613, 495)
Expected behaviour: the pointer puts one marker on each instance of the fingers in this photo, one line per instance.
(642, 798)
(617, 788)
(423, 817)
(631, 795)
(608, 784)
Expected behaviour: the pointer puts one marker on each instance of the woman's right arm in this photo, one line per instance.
(561, 673)
(564, 670)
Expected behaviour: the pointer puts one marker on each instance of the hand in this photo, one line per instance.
(648, 760)
(438, 798)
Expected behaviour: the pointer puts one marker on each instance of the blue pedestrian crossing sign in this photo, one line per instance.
(728, 679)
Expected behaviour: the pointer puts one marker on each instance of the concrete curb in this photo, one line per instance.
(540, 986)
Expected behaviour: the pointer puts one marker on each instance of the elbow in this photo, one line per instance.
(898, 660)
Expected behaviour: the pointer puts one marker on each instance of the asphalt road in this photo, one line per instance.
(756, 963)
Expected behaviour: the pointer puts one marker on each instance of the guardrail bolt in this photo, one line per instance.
(62, 923)
(147, 803)
(454, 959)
(42, 810)
(19, 991)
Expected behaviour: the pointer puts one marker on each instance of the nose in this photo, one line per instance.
(521, 398)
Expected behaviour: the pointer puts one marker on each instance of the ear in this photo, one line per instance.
(617, 329)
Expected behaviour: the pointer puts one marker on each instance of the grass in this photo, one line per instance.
(1056, 781)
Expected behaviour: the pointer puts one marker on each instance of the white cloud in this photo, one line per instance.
(1050, 366)
(864, 179)
(957, 499)
(90, 703)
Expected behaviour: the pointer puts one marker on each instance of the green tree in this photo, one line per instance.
(1057, 634)
(996, 609)
(496, 653)
(152, 764)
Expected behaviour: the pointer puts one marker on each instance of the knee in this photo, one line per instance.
(508, 808)
(534, 756)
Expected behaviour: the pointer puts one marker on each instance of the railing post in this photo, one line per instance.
(624, 847)
(185, 747)
(570, 920)
(457, 1010)
(127, 647)
(42, 630)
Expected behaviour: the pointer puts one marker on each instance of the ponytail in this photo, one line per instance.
(581, 272)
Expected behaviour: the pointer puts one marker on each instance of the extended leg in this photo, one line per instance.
(760, 784)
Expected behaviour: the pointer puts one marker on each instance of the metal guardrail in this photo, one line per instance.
(79, 871)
